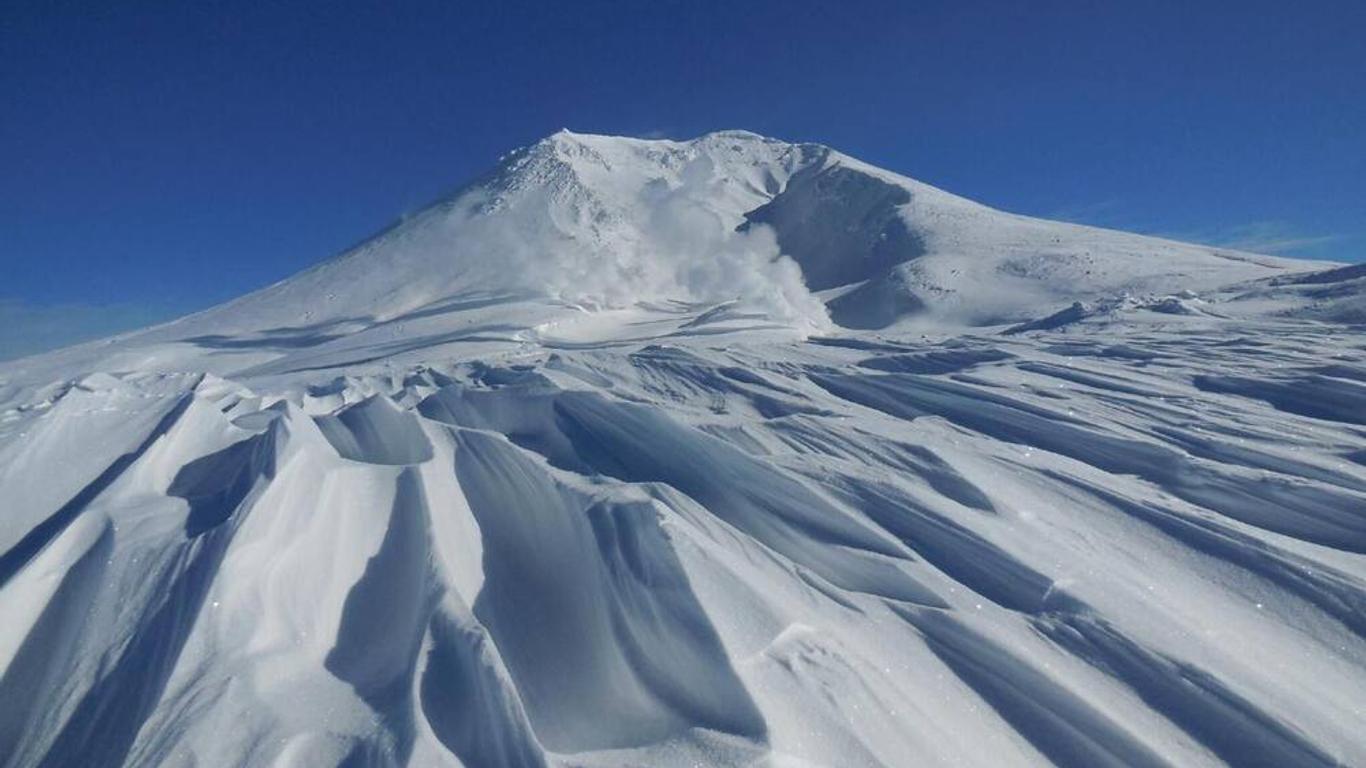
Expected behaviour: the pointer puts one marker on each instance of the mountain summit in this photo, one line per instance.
(725, 452)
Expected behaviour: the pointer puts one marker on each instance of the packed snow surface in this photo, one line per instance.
(721, 452)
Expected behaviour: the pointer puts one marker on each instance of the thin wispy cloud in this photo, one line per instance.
(28, 329)
(1270, 237)
(657, 133)
(1273, 236)
(1102, 213)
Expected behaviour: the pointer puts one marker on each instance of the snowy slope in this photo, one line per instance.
(722, 452)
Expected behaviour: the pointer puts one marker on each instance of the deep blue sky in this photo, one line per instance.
(161, 157)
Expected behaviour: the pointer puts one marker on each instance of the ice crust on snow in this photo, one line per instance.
(721, 452)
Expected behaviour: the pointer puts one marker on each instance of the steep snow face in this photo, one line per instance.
(575, 469)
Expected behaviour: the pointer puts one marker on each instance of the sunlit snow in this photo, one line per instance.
(721, 452)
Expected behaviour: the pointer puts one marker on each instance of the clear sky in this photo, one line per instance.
(157, 158)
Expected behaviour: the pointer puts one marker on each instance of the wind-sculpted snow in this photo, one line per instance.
(992, 552)
(429, 525)
(592, 612)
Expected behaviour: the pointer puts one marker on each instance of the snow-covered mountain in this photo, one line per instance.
(720, 452)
